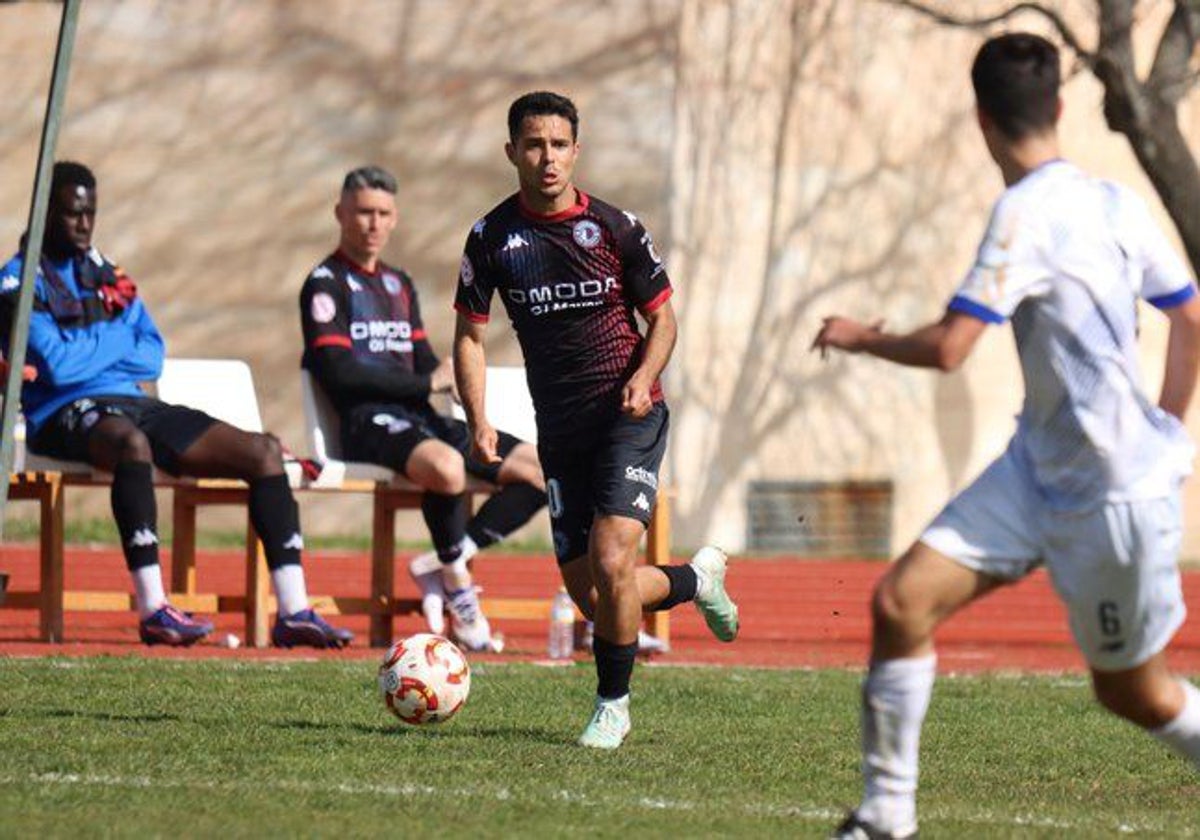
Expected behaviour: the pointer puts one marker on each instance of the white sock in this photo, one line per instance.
(290, 591)
(895, 697)
(1183, 734)
(148, 589)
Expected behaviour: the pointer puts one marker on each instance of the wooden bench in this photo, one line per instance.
(225, 389)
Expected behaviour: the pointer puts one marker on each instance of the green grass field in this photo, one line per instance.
(137, 747)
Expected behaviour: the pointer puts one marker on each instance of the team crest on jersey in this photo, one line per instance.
(322, 308)
(586, 234)
(466, 271)
(391, 282)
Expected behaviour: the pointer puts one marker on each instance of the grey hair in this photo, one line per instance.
(369, 178)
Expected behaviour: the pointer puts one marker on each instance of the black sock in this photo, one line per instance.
(614, 667)
(683, 586)
(505, 512)
(136, 512)
(276, 518)
(446, 518)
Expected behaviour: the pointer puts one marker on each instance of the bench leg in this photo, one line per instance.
(257, 592)
(383, 551)
(658, 553)
(183, 542)
(51, 504)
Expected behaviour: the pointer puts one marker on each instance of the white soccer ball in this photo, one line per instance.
(424, 679)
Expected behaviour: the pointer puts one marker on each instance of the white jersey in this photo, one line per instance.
(1065, 257)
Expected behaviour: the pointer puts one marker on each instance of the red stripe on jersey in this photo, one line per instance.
(577, 209)
(418, 335)
(473, 317)
(659, 300)
(333, 341)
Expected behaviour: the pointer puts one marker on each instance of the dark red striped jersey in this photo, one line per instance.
(570, 283)
(363, 334)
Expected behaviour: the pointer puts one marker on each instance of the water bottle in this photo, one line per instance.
(561, 644)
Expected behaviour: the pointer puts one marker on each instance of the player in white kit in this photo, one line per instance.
(1090, 482)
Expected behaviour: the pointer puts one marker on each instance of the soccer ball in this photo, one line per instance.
(424, 679)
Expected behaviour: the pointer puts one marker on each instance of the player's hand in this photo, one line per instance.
(635, 397)
(843, 334)
(484, 444)
(28, 372)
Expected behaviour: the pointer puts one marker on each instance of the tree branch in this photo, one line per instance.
(1055, 19)
(1169, 77)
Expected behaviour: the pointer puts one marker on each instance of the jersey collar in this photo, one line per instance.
(343, 257)
(577, 209)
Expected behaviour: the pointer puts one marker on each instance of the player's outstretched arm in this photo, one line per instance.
(470, 372)
(943, 345)
(1183, 357)
(661, 331)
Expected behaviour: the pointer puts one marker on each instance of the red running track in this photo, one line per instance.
(795, 613)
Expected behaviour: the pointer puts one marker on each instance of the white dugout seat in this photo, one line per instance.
(223, 388)
(507, 402)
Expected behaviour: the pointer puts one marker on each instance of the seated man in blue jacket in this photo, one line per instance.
(92, 341)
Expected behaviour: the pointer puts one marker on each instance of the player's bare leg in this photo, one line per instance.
(1153, 698)
(922, 589)
(440, 470)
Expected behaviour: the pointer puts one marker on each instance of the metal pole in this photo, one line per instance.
(31, 250)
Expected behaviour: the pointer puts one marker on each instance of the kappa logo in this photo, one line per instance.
(322, 272)
(142, 538)
(641, 502)
(9, 283)
(295, 541)
(354, 285)
(586, 234)
(642, 476)
(633, 220)
(515, 241)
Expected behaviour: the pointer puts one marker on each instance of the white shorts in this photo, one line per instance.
(1114, 566)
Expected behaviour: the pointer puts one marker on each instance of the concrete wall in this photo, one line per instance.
(794, 158)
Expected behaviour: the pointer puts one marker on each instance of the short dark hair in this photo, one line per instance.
(1016, 79)
(69, 172)
(369, 178)
(541, 103)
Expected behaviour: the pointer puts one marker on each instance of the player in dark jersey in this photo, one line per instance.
(365, 343)
(572, 271)
(92, 340)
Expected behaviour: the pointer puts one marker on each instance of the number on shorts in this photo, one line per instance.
(554, 498)
(1110, 622)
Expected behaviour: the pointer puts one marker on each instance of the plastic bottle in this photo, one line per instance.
(561, 644)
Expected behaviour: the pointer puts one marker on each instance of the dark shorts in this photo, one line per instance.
(386, 434)
(613, 472)
(171, 429)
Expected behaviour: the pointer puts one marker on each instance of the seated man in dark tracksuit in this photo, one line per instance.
(365, 343)
(91, 341)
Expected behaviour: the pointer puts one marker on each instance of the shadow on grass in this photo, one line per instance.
(451, 732)
(106, 717)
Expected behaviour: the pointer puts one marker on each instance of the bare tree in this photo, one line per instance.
(1143, 108)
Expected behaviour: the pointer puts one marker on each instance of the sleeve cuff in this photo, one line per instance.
(966, 306)
(473, 317)
(1174, 298)
(656, 302)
